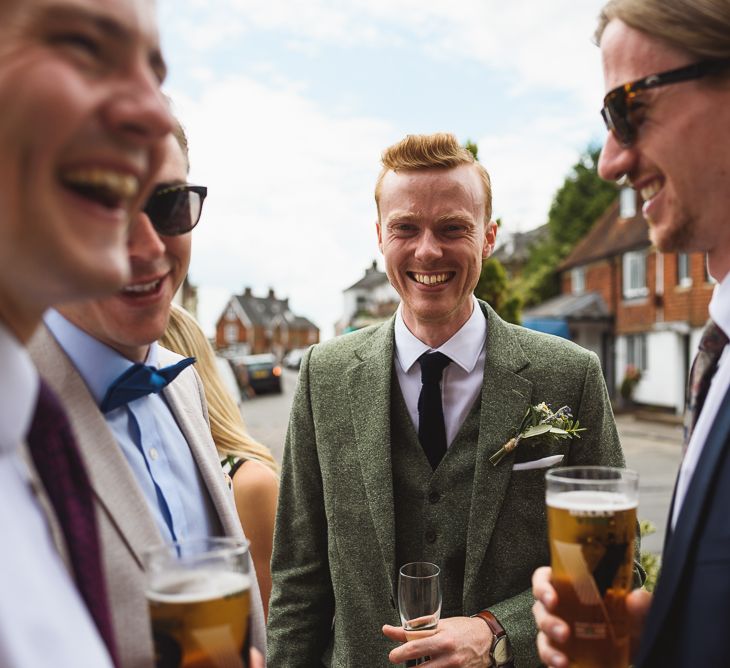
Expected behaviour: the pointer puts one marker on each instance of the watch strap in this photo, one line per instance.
(498, 634)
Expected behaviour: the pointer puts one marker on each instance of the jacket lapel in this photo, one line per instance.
(504, 401)
(369, 383)
(683, 537)
(112, 481)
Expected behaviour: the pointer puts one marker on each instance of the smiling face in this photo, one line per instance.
(433, 236)
(679, 162)
(81, 136)
(136, 316)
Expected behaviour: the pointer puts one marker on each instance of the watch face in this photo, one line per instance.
(502, 651)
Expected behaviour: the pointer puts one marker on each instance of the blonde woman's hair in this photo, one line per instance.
(700, 28)
(185, 337)
(441, 149)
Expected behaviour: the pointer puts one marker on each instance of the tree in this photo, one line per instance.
(494, 289)
(577, 204)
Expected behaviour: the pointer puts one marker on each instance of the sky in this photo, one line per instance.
(289, 104)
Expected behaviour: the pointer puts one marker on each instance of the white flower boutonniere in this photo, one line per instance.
(540, 420)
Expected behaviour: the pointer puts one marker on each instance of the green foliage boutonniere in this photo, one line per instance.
(540, 420)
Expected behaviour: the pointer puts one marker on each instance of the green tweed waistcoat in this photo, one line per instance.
(428, 503)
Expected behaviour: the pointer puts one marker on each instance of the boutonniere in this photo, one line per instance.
(540, 420)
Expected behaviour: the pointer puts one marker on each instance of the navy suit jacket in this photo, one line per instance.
(689, 620)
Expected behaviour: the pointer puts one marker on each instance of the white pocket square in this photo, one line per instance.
(538, 463)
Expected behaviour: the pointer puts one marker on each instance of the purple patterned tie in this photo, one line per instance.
(59, 465)
(712, 343)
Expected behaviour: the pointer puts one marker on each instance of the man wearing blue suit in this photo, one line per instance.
(391, 435)
(667, 71)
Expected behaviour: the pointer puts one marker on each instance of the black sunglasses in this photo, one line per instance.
(175, 209)
(618, 103)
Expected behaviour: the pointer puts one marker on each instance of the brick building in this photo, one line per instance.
(631, 304)
(251, 325)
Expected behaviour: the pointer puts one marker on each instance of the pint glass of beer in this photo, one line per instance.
(199, 596)
(592, 526)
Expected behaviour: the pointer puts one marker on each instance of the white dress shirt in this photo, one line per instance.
(43, 621)
(720, 314)
(462, 380)
(148, 435)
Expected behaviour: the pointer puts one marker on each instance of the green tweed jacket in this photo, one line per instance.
(333, 566)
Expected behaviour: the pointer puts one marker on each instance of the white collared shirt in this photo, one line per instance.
(43, 621)
(720, 314)
(462, 380)
(147, 434)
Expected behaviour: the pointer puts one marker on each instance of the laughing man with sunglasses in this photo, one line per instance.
(138, 410)
(667, 71)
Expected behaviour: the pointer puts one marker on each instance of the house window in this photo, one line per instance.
(230, 333)
(636, 351)
(578, 280)
(627, 203)
(634, 274)
(683, 278)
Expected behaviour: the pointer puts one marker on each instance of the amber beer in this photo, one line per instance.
(592, 527)
(199, 603)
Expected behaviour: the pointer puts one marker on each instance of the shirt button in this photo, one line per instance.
(154, 454)
(434, 497)
(430, 536)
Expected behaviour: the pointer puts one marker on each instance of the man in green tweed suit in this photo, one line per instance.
(369, 482)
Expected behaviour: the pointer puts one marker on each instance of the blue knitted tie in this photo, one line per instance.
(139, 381)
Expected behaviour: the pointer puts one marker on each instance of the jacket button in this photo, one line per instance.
(434, 497)
(430, 536)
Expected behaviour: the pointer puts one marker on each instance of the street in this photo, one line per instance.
(651, 448)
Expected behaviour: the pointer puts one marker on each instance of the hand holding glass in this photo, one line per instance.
(419, 601)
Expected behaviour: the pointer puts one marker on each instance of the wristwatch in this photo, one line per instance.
(501, 650)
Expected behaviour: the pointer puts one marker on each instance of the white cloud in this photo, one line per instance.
(290, 178)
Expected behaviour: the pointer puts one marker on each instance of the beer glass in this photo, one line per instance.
(419, 601)
(592, 527)
(198, 593)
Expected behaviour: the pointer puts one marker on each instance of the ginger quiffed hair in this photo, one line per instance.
(701, 28)
(441, 149)
(185, 337)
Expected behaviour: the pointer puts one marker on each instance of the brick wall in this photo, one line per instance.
(688, 304)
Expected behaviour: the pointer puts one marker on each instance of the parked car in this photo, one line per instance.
(293, 358)
(259, 372)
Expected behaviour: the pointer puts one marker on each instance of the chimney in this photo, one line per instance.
(271, 293)
(247, 292)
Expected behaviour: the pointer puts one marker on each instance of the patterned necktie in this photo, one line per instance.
(712, 343)
(431, 427)
(58, 462)
(139, 381)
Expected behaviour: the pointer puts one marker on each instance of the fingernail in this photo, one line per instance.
(559, 632)
(557, 660)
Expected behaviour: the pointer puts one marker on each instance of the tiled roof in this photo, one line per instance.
(372, 279)
(609, 236)
(262, 310)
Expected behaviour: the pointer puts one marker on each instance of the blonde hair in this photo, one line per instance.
(185, 337)
(440, 149)
(700, 28)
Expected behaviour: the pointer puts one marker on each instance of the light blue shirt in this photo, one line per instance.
(148, 435)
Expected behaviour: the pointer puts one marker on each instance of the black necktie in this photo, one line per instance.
(139, 381)
(58, 462)
(431, 427)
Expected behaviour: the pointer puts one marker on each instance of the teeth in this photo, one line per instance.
(142, 287)
(125, 186)
(431, 279)
(648, 191)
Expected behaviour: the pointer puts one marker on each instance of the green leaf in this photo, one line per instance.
(537, 430)
(559, 431)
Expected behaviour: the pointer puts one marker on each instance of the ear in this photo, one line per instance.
(490, 239)
(379, 230)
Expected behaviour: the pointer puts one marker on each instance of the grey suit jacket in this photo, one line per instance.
(334, 555)
(126, 525)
